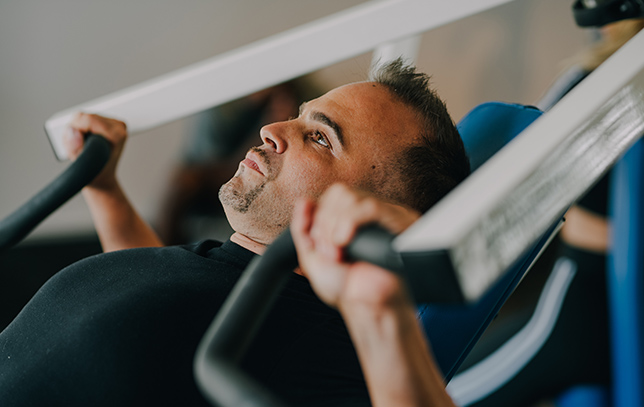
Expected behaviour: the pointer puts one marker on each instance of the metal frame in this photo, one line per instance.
(537, 176)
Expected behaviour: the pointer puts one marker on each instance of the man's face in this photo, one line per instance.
(352, 134)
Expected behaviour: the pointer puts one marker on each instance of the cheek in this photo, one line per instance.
(309, 177)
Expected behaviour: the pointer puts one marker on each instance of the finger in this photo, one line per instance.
(397, 219)
(73, 142)
(301, 225)
(329, 215)
(377, 286)
(87, 123)
(342, 211)
(369, 210)
(325, 276)
(322, 227)
(307, 254)
(362, 212)
(114, 131)
(331, 212)
(111, 129)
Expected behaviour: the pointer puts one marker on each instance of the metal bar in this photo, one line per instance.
(17, 225)
(268, 62)
(216, 363)
(529, 184)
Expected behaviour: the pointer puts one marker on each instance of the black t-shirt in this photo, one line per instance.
(122, 328)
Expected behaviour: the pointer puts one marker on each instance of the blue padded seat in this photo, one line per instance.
(453, 330)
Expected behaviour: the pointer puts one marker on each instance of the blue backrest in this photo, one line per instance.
(490, 126)
(453, 330)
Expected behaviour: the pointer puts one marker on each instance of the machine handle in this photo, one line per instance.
(222, 347)
(81, 172)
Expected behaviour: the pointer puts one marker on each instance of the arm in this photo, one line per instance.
(392, 349)
(586, 230)
(117, 223)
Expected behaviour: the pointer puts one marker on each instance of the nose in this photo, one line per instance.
(273, 135)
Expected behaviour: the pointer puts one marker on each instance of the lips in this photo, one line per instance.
(252, 164)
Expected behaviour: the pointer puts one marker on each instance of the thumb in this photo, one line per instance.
(73, 141)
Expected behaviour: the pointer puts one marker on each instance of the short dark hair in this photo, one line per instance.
(431, 169)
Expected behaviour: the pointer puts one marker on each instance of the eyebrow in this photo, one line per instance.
(324, 119)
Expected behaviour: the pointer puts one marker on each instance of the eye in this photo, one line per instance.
(319, 138)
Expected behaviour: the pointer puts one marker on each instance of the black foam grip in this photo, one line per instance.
(373, 244)
(81, 172)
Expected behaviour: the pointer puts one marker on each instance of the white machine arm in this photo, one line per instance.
(486, 223)
(268, 62)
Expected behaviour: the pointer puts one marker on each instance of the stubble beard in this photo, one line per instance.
(236, 200)
(240, 201)
(251, 213)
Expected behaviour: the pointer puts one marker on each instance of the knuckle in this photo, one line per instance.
(369, 206)
(335, 190)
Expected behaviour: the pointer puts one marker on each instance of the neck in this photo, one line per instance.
(255, 247)
(248, 243)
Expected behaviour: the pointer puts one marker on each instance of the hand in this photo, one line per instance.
(381, 319)
(322, 231)
(114, 131)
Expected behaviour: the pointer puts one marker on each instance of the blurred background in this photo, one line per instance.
(54, 55)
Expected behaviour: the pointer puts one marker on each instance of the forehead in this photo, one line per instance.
(368, 109)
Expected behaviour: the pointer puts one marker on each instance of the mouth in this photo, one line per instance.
(251, 162)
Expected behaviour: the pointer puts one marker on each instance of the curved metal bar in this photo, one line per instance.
(87, 166)
(223, 345)
(217, 359)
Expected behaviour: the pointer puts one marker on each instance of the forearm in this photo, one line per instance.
(117, 223)
(586, 230)
(394, 355)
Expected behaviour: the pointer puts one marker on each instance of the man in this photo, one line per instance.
(121, 328)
